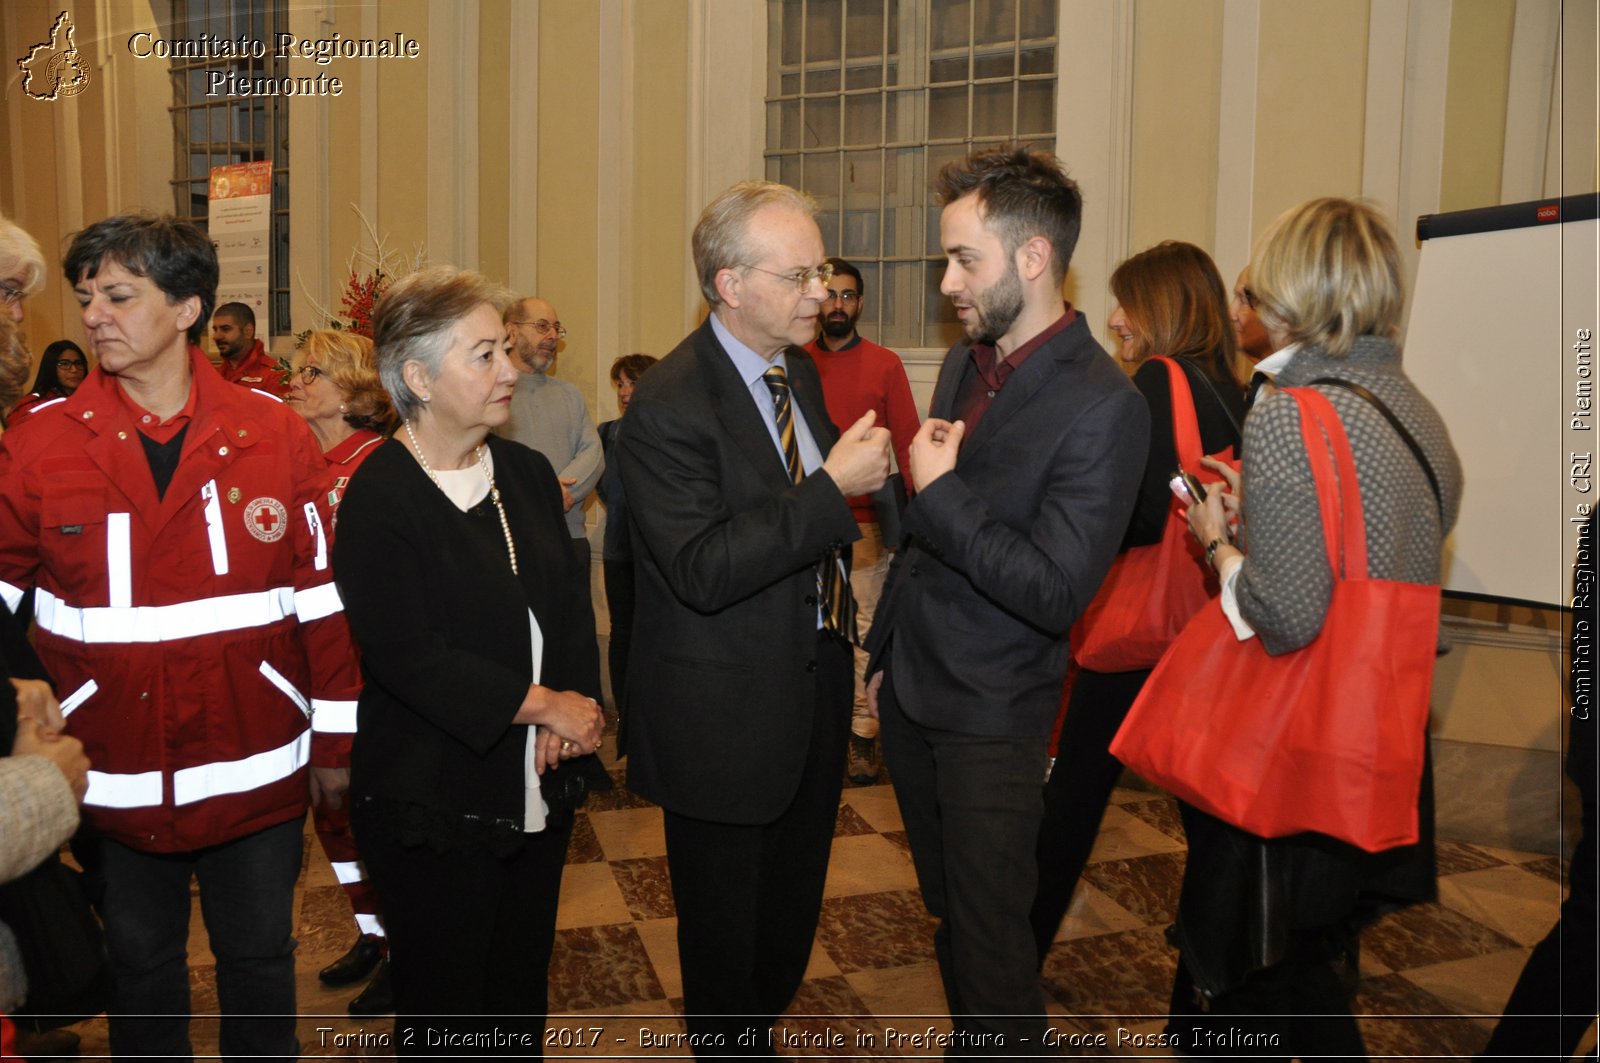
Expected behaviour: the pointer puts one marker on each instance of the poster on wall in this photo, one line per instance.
(241, 221)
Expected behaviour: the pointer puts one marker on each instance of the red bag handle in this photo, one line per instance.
(1338, 491)
(1185, 422)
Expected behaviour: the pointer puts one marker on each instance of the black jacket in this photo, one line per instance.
(443, 630)
(722, 671)
(1004, 553)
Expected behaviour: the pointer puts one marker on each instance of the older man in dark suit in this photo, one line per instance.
(740, 676)
(1026, 472)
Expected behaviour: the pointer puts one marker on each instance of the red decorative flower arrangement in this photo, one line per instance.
(361, 294)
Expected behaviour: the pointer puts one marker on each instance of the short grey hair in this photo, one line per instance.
(20, 256)
(722, 236)
(412, 323)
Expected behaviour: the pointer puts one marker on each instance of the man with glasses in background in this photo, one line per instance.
(857, 376)
(739, 677)
(549, 415)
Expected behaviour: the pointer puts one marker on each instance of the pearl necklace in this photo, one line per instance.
(494, 492)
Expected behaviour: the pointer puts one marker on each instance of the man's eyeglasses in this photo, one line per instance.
(72, 363)
(309, 373)
(544, 328)
(12, 295)
(843, 298)
(800, 278)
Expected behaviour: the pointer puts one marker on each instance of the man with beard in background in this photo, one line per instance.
(857, 376)
(549, 415)
(245, 360)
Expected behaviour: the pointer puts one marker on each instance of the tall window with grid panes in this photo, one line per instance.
(216, 130)
(866, 99)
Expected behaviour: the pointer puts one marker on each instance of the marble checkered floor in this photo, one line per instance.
(1430, 974)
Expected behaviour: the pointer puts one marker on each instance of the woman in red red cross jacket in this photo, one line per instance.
(335, 387)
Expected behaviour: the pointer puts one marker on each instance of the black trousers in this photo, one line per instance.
(1297, 1008)
(619, 602)
(1079, 788)
(1240, 902)
(470, 935)
(972, 807)
(748, 897)
(581, 551)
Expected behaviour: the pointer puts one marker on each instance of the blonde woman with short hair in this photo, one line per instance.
(1268, 929)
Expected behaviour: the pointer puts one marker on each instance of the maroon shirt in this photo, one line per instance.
(986, 374)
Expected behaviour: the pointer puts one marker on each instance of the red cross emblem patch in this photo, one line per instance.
(266, 519)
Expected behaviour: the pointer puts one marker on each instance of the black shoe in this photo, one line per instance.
(377, 998)
(362, 959)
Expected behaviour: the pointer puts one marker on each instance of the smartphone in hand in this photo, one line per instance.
(1188, 490)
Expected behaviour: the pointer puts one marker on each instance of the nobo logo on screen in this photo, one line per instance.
(55, 68)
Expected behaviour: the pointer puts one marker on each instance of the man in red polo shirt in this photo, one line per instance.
(245, 360)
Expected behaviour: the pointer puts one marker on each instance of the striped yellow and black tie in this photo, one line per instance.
(833, 587)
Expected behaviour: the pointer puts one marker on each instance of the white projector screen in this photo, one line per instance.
(1501, 340)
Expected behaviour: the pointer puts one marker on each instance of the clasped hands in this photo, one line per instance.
(570, 724)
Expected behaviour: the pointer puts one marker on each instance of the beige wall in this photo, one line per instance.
(1475, 111)
(1174, 135)
(1310, 103)
(570, 226)
(496, 181)
(658, 259)
(1239, 109)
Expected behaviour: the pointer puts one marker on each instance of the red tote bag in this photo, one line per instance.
(1152, 591)
(1327, 738)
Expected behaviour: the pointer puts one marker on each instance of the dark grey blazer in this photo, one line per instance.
(1003, 554)
(721, 675)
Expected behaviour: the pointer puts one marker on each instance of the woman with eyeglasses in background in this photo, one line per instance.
(335, 387)
(63, 367)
